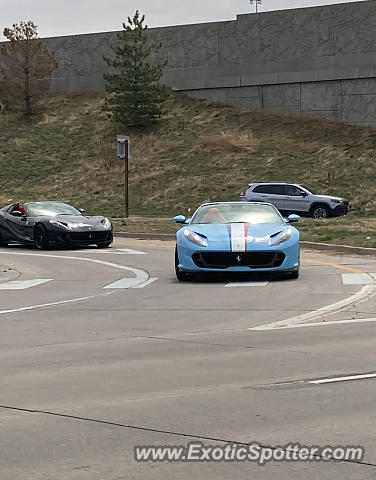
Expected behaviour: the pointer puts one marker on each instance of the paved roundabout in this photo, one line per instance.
(103, 350)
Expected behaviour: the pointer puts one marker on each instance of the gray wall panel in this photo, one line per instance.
(319, 61)
(321, 96)
(282, 95)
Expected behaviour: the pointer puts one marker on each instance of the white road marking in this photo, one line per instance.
(342, 379)
(140, 274)
(129, 251)
(357, 279)
(52, 304)
(123, 283)
(113, 251)
(141, 277)
(23, 284)
(145, 284)
(365, 292)
(246, 284)
(319, 381)
(130, 283)
(331, 323)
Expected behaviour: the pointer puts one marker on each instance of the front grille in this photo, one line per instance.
(235, 259)
(89, 237)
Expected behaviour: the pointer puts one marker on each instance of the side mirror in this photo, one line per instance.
(81, 210)
(293, 218)
(16, 213)
(180, 219)
(304, 194)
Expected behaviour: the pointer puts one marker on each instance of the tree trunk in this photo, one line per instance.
(28, 110)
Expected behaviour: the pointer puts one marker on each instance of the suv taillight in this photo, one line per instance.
(243, 193)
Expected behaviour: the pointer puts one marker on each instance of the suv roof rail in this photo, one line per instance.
(279, 181)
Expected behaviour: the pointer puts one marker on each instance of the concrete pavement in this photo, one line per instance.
(7, 274)
(87, 372)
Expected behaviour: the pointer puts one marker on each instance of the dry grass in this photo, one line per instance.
(230, 141)
(201, 151)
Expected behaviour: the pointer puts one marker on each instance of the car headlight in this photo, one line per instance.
(286, 235)
(59, 224)
(194, 238)
(335, 200)
(106, 224)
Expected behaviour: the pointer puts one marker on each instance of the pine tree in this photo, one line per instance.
(27, 65)
(135, 95)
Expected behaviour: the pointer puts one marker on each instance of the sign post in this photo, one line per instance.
(257, 2)
(124, 153)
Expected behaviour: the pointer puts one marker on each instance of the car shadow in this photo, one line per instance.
(227, 277)
(54, 248)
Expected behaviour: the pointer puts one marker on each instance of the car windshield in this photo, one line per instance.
(51, 209)
(237, 213)
(310, 190)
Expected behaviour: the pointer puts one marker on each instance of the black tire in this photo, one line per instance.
(181, 276)
(319, 211)
(294, 274)
(288, 274)
(104, 245)
(2, 243)
(41, 237)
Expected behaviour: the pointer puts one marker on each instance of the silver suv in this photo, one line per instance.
(294, 198)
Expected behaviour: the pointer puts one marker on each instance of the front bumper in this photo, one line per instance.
(341, 210)
(225, 260)
(80, 237)
(274, 259)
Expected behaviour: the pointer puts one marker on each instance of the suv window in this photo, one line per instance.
(271, 189)
(293, 191)
(261, 189)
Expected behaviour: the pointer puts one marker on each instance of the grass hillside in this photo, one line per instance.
(201, 151)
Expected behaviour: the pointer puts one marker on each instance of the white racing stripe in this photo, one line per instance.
(23, 284)
(238, 240)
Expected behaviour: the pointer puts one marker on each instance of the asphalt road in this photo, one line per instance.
(101, 351)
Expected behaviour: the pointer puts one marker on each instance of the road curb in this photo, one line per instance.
(323, 247)
(329, 247)
(146, 236)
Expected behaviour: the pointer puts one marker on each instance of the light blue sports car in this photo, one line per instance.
(236, 237)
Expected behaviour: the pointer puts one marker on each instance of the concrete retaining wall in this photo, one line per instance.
(315, 61)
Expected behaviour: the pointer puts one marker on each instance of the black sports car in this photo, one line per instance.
(52, 223)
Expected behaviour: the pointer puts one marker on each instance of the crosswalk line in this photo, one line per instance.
(130, 283)
(246, 284)
(23, 284)
(357, 278)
